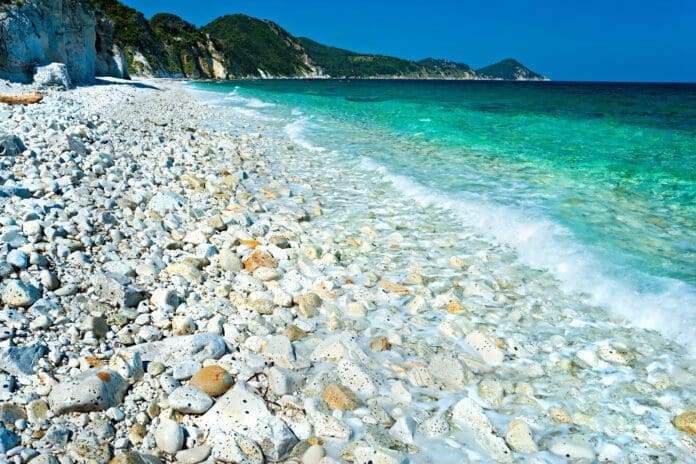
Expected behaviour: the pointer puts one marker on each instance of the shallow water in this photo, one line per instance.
(529, 280)
(595, 183)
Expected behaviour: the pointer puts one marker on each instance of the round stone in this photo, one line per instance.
(190, 400)
(213, 380)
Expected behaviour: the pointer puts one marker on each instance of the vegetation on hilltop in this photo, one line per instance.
(508, 69)
(252, 45)
(189, 51)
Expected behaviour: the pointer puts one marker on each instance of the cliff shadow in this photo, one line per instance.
(112, 81)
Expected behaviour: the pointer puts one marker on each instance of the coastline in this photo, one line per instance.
(235, 237)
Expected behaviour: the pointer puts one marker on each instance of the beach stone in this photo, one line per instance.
(370, 455)
(404, 430)
(241, 410)
(233, 447)
(8, 439)
(185, 370)
(186, 270)
(686, 422)
(435, 426)
(294, 333)
(470, 416)
(88, 449)
(336, 396)
(485, 347)
(128, 364)
(53, 75)
(279, 350)
(183, 325)
(313, 455)
(93, 390)
(170, 351)
(37, 411)
(356, 377)
(379, 344)
(572, 447)
(308, 304)
(11, 145)
(213, 380)
(165, 202)
(18, 259)
(117, 290)
(10, 413)
(519, 437)
(325, 425)
(133, 457)
(492, 392)
(420, 377)
(169, 436)
(194, 455)
(229, 260)
(164, 298)
(449, 372)
(21, 360)
(190, 400)
(18, 294)
(259, 259)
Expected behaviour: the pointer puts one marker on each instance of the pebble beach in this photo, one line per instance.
(180, 283)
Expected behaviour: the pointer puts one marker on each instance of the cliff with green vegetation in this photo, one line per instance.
(108, 38)
(254, 47)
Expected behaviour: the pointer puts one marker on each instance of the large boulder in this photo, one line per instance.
(53, 75)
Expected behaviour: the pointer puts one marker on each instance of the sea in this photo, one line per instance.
(591, 183)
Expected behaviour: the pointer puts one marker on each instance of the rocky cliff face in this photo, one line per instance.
(39, 32)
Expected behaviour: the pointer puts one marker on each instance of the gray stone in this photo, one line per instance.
(93, 390)
(169, 436)
(190, 400)
(233, 447)
(117, 290)
(171, 351)
(165, 202)
(18, 259)
(241, 410)
(194, 455)
(19, 360)
(8, 440)
(18, 294)
(11, 145)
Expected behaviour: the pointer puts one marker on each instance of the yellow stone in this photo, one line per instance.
(214, 380)
(686, 422)
(456, 307)
(259, 259)
(337, 396)
(379, 344)
(294, 333)
(395, 288)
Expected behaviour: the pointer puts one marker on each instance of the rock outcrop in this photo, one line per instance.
(37, 33)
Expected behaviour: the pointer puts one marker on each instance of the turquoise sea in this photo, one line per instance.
(595, 183)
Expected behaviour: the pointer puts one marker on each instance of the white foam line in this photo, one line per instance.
(669, 307)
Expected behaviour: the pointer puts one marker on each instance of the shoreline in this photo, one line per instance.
(154, 227)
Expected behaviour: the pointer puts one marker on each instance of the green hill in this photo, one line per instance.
(337, 62)
(190, 52)
(509, 69)
(254, 47)
(132, 33)
(239, 46)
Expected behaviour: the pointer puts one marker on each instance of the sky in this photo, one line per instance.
(596, 40)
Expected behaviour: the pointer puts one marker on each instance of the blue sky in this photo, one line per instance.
(616, 40)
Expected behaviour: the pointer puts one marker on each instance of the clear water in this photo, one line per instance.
(595, 183)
